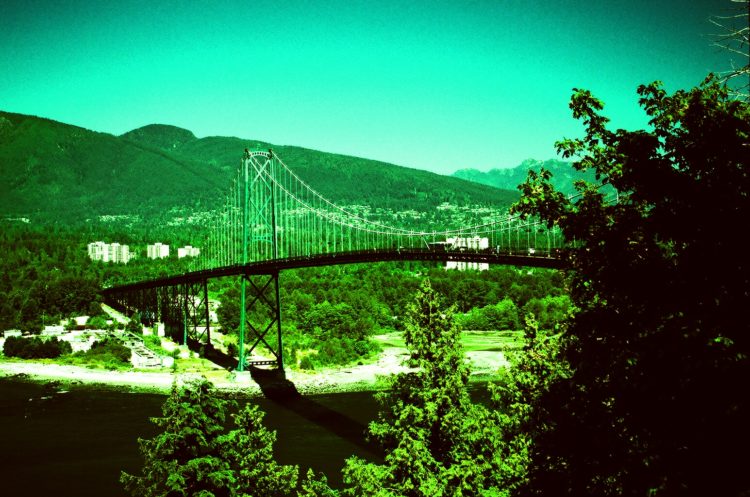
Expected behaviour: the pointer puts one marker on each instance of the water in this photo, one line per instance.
(75, 443)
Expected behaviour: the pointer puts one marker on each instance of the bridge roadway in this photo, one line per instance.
(556, 260)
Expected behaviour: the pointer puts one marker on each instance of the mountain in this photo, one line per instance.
(563, 175)
(52, 170)
(162, 136)
(57, 171)
(341, 178)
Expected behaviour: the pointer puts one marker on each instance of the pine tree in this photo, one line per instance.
(184, 460)
(436, 441)
(194, 456)
(249, 452)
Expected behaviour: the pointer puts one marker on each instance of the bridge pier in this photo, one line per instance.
(196, 310)
(264, 296)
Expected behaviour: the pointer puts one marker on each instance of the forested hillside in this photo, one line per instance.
(50, 170)
(55, 171)
(339, 177)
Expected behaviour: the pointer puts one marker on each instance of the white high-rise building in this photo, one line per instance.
(97, 251)
(188, 251)
(119, 253)
(157, 251)
(471, 243)
(109, 252)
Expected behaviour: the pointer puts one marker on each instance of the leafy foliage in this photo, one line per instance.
(500, 316)
(97, 323)
(110, 346)
(134, 325)
(108, 353)
(35, 348)
(549, 311)
(43, 272)
(659, 349)
(194, 456)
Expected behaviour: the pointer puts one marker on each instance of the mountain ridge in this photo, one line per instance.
(59, 171)
(563, 175)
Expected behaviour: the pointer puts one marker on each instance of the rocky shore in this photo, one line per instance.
(344, 379)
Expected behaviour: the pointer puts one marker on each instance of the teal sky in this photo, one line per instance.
(432, 85)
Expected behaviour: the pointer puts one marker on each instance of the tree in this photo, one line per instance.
(95, 309)
(735, 39)
(194, 456)
(98, 323)
(134, 325)
(515, 397)
(249, 452)
(185, 458)
(659, 348)
(436, 441)
(503, 315)
(35, 348)
(549, 310)
(228, 312)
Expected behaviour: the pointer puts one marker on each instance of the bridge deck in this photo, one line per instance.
(541, 260)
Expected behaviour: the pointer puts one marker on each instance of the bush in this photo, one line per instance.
(232, 349)
(95, 309)
(153, 342)
(306, 363)
(110, 347)
(344, 350)
(108, 353)
(549, 310)
(500, 316)
(97, 323)
(134, 324)
(35, 348)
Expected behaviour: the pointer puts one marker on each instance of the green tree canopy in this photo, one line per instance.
(184, 458)
(437, 442)
(656, 404)
(193, 456)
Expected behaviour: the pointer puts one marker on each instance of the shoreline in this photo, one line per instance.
(161, 382)
(356, 378)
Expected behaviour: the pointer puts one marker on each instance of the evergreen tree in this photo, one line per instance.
(184, 460)
(249, 452)
(436, 441)
(194, 456)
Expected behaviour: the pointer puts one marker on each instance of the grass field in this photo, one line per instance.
(472, 341)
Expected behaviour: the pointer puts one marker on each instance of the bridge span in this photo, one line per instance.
(271, 221)
(182, 300)
(555, 260)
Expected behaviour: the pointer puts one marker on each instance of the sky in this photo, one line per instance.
(432, 85)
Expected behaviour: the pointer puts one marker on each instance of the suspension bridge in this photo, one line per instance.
(272, 220)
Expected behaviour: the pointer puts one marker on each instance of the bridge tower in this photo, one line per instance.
(259, 242)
